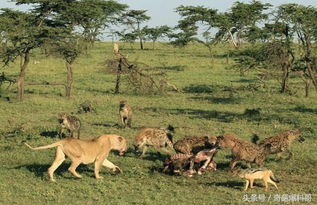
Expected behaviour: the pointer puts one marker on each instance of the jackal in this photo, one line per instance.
(256, 173)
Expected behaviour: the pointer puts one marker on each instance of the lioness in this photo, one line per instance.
(85, 151)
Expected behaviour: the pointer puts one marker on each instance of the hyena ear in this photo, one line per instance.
(171, 128)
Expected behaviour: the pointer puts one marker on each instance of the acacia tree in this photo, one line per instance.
(279, 50)
(192, 18)
(234, 25)
(94, 16)
(64, 24)
(154, 34)
(23, 32)
(302, 22)
(81, 26)
(133, 19)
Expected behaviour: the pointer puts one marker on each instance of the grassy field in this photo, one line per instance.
(213, 101)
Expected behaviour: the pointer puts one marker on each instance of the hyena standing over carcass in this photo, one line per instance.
(194, 144)
(125, 113)
(70, 123)
(160, 139)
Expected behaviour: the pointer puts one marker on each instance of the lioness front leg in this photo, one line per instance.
(98, 164)
(110, 165)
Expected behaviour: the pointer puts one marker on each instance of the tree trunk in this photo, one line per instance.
(307, 84)
(118, 81)
(141, 43)
(232, 39)
(285, 78)
(20, 81)
(307, 88)
(69, 83)
(311, 74)
(140, 36)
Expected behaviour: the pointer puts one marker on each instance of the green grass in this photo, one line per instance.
(213, 101)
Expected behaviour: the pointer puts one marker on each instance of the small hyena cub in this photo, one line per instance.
(125, 112)
(70, 123)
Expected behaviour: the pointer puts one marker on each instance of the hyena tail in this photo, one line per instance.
(255, 138)
(273, 178)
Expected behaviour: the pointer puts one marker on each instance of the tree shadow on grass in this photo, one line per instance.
(110, 124)
(51, 134)
(172, 68)
(228, 117)
(304, 109)
(219, 100)
(116, 125)
(200, 88)
(232, 184)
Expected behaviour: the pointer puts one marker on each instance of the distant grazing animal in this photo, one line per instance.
(125, 112)
(194, 144)
(115, 48)
(70, 123)
(256, 173)
(86, 152)
(243, 150)
(160, 139)
(281, 142)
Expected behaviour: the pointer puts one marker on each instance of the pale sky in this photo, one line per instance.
(162, 12)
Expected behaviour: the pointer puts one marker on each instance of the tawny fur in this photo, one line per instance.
(160, 139)
(243, 150)
(194, 144)
(260, 173)
(86, 152)
(282, 142)
(125, 112)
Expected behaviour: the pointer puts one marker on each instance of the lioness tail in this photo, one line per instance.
(43, 147)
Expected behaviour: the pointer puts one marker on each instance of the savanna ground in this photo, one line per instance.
(213, 101)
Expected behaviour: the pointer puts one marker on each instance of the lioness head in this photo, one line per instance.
(119, 143)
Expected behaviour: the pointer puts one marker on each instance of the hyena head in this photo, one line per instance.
(122, 103)
(62, 116)
(138, 144)
(296, 134)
